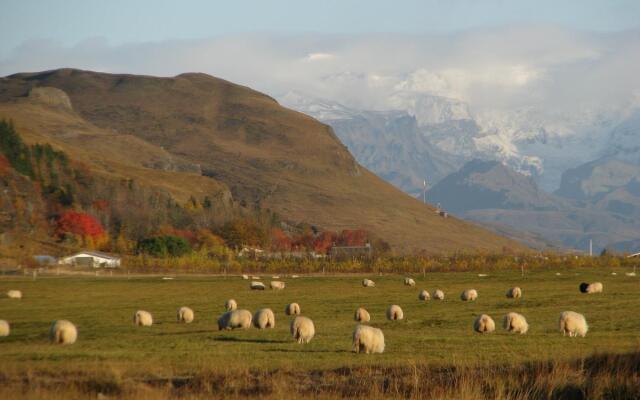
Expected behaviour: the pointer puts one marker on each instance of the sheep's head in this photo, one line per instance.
(583, 287)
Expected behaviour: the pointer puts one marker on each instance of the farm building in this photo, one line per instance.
(95, 259)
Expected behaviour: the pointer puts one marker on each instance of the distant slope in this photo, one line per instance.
(268, 156)
(491, 193)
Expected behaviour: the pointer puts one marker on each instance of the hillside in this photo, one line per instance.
(195, 134)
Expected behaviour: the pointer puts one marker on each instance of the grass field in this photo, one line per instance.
(434, 336)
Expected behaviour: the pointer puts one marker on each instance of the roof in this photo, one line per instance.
(97, 254)
(633, 255)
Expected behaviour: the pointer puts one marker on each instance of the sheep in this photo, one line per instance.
(515, 323)
(14, 294)
(409, 282)
(255, 278)
(394, 313)
(573, 323)
(514, 293)
(295, 276)
(484, 324)
(235, 319)
(230, 305)
(142, 318)
(292, 309)
(438, 294)
(368, 283)
(362, 315)
(469, 295)
(245, 277)
(275, 277)
(302, 329)
(185, 315)
(595, 287)
(4, 328)
(264, 318)
(424, 295)
(367, 339)
(255, 285)
(279, 285)
(63, 332)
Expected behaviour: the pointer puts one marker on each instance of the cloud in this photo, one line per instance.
(490, 69)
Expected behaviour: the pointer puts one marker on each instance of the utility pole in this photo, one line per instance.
(424, 191)
(590, 247)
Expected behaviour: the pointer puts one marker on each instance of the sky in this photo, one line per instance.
(375, 54)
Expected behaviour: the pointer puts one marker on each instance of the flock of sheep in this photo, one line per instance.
(366, 339)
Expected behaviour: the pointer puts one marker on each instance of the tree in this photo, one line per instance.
(357, 237)
(82, 227)
(163, 246)
(324, 241)
(243, 232)
(280, 241)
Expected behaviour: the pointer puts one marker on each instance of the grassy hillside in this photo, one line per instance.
(268, 156)
(115, 355)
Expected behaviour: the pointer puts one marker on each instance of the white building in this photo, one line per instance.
(95, 259)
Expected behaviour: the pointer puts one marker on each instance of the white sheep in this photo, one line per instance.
(469, 295)
(595, 287)
(515, 323)
(484, 324)
(255, 278)
(279, 285)
(295, 276)
(264, 318)
(367, 339)
(394, 313)
(514, 293)
(230, 305)
(368, 283)
(255, 285)
(438, 294)
(142, 318)
(292, 309)
(4, 328)
(409, 282)
(573, 323)
(424, 295)
(63, 332)
(14, 294)
(275, 277)
(302, 329)
(245, 277)
(362, 315)
(235, 319)
(185, 315)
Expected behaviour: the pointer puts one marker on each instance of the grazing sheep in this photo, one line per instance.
(368, 283)
(484, 324)
(275, 277)
(14, 294)
(295, 276)
(438, 294)
(142, 318)
(302, 329)
(573, 323)
(394, 313)
(409, 282)
(63, 332)
(257, 285)
(264, 318)
(367, 339)
(276, 285)
(255, 278)
(424, 295)
(185, 315)
(245, 277)
(515, 323)
(230, 305)
(362, 315)
(235, 319)
(292, 309)
(469, 295)
(595, 287)
(514, 293)
(4, 328)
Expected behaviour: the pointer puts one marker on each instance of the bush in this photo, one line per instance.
(163, 246)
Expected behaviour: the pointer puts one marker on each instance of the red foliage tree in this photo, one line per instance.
(324, 241)
(355, 237)
(4, 165)
(81, 226)
(279, 240)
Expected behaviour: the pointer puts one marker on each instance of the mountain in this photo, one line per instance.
(386, 142)
(196, 134)
(511, 203)
(624, 140)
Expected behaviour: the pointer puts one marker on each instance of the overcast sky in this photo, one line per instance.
(488, 53)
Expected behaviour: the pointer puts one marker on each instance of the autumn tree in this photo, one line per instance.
(81, 227)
